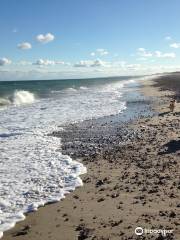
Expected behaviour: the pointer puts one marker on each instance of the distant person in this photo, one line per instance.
(172, 105)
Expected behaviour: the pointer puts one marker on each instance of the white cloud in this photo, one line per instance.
(168, 38)
(141, 59)
(123, 65)
(100, 52)
(164, 55)
(114, 69)
(144, 53)
(82, 63)
(120, 63)
(45, 38)
(46, 62)
(93, 54)
(175, 45)
(24, 63)
(133, 67)
(61, 62)
(4, 61)
(90, 63)
(24, 46)
(98, 63)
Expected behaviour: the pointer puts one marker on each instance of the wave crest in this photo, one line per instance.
(19, 97)
(23, 97)
(4, 102)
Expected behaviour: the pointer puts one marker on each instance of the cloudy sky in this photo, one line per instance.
(47, 39)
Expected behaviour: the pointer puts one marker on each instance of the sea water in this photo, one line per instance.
(33, 171)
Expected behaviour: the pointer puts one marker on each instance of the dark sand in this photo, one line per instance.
(132, 180)
(169, 82)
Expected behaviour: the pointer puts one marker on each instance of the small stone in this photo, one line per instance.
(99, 183)
(115, 195)
(76, 196)
(172, 214)
(101, 199)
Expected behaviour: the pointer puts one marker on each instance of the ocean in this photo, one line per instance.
(33, 171)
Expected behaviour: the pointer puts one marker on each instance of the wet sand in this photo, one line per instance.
(132, 180)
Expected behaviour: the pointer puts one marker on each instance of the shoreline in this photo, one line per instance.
(119, 193)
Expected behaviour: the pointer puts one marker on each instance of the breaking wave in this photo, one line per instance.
(19, 97)
(23, 97)
(4, 102)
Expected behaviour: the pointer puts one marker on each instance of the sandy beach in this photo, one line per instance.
(132, 177)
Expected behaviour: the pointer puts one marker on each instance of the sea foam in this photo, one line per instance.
(19, 97)
(23, 97)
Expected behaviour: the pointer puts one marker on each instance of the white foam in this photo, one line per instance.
(33, 171)
(71, 89)
(83, 88)
(19, 97)
(23, 97)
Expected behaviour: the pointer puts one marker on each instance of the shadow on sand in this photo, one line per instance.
(168, 112)
(177, 113)
(163, 114)
(170, 147)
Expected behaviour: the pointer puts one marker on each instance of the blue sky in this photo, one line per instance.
(88, 38)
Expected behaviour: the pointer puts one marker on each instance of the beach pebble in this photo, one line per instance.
(99, 183)
(76, 196)
(101, 199)
(172, 214)
(115, 195)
